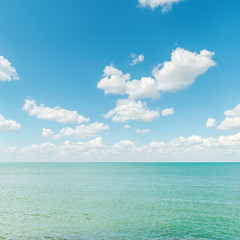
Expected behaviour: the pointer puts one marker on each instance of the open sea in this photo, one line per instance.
(180, 201)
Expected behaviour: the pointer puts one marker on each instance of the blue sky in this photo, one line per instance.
(59, 50)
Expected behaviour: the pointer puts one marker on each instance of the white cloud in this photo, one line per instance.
(167, 111)
(83, 130)
(234, 112)
(128, 109)
(127, 126)
(7, 71)
(211, 123)
(230, 124)
(166, 5)
(83, 146)
(144, 88)
(44, 148)
(192, 148)
(137, 58)
(8, 125)
(113, 81)
(194, 143)
(49, 133)
(116, 82)
(232, 120)
(124, 146)
(57, 114)
(171, 76)
(182, 70)
(142, 131)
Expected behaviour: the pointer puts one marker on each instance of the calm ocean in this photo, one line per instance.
(120, 201)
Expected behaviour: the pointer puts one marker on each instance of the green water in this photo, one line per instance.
(119, 201)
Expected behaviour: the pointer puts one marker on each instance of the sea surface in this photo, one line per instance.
(179, 201)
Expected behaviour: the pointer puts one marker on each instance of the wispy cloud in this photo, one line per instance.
(142, 131)
(166, 5)
(167, 112)
(137, 58)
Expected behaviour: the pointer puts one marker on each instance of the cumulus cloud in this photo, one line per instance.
(137, 58)
(230, 124)
(80, 151)
(142, 131)
(144, 88)
(211, 123)
(116, 82)
(182, 70)
(128, 109)
(234, 112)
(113, 80)
(167, 111)
(192, 148)
(124, 146)
(90, 145)
(127, 126)
(166, 5)
(7, 71)
(232, 119)
(193, 143)
(8, 125)
(44, 148)
(84, 130)
(56, 114)
(81, 131)
(48, 133)
(171, 76)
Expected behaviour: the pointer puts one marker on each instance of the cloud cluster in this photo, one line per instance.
(128, 109)
(84, 130)
(8, 125)
(51, 152)
(80, 131)
(171, 76)
(178, 149)
(136, 58)
(124, 146)
(7, 71)
(232, 119)
(56, 114)
(93, 146)
(166, 5)
(115, 82)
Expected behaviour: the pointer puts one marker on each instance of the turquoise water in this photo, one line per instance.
(119, 201)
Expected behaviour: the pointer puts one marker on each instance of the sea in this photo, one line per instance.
(166, 201)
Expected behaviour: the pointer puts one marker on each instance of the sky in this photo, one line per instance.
(139, 80)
